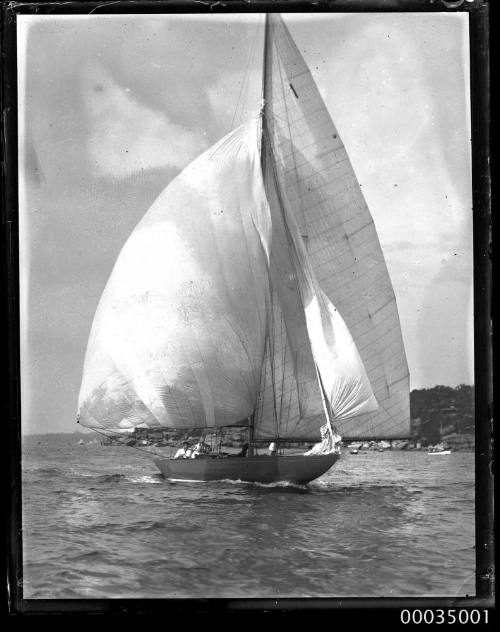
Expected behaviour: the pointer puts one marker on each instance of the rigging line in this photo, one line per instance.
(263, 382)
(272, 357)
(254, 279)
(251, 65)
(243, 85)
(295, 262)
(260, 397)
(149, 452)
(273, 374)
(290, 394)
(295, 257)
(284, 339)
(265, 52)
(264, 388)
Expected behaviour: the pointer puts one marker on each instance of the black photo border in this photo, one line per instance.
(352, 611)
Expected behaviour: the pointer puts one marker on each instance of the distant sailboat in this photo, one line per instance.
(254, 293)
(438, 449)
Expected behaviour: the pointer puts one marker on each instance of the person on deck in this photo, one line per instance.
(272, 449)
(199, 449)
(184, 452)
(244, 450)
(331, 441)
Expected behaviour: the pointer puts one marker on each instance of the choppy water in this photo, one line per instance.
(99, 522)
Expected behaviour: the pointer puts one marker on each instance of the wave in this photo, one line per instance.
(336, 485)
(110, 478)
(277, 484)
(120, 478)
(48, 471)
(87, 556)
(154, 479)
(142, 526)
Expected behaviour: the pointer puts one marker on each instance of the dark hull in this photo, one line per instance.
(254, 469)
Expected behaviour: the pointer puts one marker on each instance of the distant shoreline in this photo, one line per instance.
(92, 438)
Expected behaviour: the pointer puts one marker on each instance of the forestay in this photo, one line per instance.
(314, 172)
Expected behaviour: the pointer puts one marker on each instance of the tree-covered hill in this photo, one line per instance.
(441, 412)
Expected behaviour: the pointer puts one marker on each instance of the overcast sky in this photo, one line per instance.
(112, 107)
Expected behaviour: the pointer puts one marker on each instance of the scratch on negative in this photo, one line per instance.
(104, 4)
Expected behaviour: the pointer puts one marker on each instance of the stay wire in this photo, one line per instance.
(244, 84)
(117, 434)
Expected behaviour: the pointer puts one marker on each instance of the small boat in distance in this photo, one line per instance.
(434, 451)
(254, 293)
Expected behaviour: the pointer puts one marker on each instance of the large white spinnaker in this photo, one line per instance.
(178, 338)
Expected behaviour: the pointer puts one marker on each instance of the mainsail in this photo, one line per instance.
(314, 171)
(254, 291)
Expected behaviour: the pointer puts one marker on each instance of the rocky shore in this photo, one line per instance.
(455, 442)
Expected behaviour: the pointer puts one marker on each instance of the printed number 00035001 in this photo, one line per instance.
(444, 617)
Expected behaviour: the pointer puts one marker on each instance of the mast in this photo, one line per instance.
(264, 81)
(251, 427)
(267, 165)
(264, 58)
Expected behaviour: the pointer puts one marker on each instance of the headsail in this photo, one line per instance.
(310, 353)
(314, 172)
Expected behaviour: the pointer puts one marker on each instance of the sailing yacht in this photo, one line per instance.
(254, 293)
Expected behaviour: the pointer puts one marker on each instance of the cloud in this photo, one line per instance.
(126, 136)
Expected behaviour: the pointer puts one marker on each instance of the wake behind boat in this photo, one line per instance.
(254, 293)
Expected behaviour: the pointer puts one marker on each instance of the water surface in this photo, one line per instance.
(100, 522)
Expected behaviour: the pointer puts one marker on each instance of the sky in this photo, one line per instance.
(113, 107)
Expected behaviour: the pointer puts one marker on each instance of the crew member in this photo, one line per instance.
(244, 450)
(184, 452)
(200, 448)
